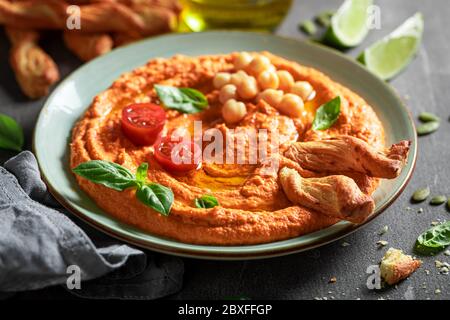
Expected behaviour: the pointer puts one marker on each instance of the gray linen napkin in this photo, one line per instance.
(39, 241)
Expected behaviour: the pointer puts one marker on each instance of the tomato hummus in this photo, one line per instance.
(321, 176)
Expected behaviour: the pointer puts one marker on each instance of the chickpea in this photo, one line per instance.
(286, 80)
(258, 65)
(227, 92)
(248, 88)
(221, 79)
(233, 111)
(268, 80)
(242, 60)
(271, 68)
(238, 77)
(303, 89)
(291, 105)
(271, 96)
(312, 95)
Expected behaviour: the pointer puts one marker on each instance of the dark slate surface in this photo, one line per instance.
(425, 85)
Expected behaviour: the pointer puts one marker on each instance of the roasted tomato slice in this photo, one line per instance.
(177, 154)
(142, 122)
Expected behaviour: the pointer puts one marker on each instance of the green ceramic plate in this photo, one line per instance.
(69, 101)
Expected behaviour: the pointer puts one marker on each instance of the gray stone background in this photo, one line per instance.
(425, 85)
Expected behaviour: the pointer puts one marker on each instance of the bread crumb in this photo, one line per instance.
(384, 230)
(344, 244)
(396, 266)
(443, 267)
(382, 243)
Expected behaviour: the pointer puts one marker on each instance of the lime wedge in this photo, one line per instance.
(349, 25)
(389, 56)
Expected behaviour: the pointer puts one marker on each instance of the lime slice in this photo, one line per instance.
(389, 56)
(349, 25)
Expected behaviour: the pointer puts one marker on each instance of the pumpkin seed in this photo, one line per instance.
(428, 116)
(437, 200)
(421, 194)
(308, 27)
(324, 19)
(448, 204)
(427, 128)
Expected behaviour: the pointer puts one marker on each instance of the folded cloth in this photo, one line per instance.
(39, 241)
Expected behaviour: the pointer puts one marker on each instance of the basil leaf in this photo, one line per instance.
(194, 96)
(434, 239)
(327, 114)
(186, 100)
(107, 173)
(11, 134)
(206, 201)
(156, 196)
(141, 172)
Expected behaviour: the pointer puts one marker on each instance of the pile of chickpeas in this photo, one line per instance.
(257, 78)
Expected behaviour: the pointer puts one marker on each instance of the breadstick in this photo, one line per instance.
(39, 14)
(121, 39)
(139, 19)
(156, 19)
(173, 5)
(87, 46)
(35, 70)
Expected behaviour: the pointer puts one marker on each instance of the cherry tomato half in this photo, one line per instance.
(142, 122)
(179, 155)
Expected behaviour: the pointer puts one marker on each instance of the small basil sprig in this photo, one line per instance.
(206, 201)
(434, 239)
(11, 134)
(114, 176)
(327, 114)
(186, 100)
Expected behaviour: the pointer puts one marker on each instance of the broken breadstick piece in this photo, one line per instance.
(336, 196)
(87, 46)
(396, 266)
(34, 69)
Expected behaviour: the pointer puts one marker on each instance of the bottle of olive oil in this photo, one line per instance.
(200, 15)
